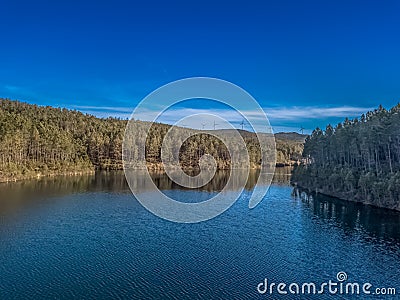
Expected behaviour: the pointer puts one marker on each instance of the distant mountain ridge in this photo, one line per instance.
(291, 136)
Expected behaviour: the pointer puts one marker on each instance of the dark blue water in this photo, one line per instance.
(88, 238)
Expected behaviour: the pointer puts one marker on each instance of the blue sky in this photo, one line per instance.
(308, 63)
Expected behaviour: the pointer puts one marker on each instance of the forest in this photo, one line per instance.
(357, 160)
(42, 140)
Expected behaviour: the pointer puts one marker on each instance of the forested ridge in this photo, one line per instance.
(357, 160)
(43, 140)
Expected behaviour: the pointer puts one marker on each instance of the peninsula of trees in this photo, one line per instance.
(358, 160)
(37, 141)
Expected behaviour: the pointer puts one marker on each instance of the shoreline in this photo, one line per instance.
(151, 168)
(317, 191)
(39, 176)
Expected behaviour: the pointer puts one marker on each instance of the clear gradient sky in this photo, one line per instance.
(306, 62)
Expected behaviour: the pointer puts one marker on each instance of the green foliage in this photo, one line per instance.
(44, 140)
(357, 160)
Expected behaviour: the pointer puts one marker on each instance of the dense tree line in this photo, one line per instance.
(45, 140)
(288, 146)
(356, 160)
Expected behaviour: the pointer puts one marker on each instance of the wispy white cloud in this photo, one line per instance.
(11, 88)
(313, 112)
(22, 93)
(110, 109)
(281, 118)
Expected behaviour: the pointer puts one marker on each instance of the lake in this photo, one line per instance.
(88, 237)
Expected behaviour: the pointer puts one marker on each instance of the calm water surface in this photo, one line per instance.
(87, 237)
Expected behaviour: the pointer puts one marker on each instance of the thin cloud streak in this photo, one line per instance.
(283, 113)
(280, 118)
(109, 109)
(312, 112)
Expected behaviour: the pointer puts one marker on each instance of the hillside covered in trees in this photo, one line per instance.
(358, 160)
(37, 140)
